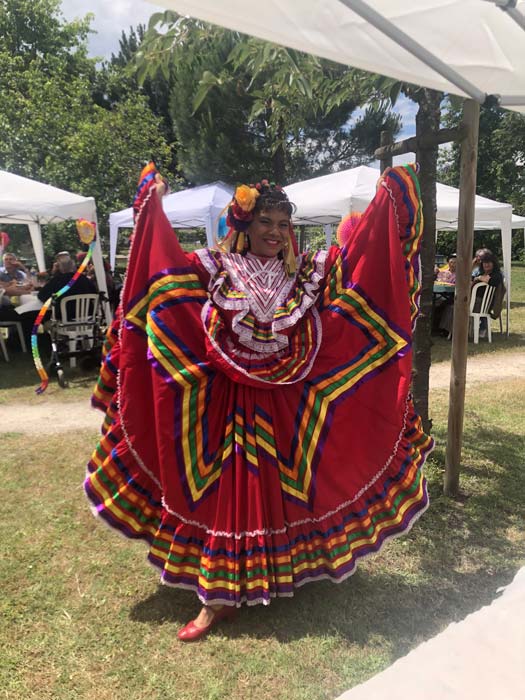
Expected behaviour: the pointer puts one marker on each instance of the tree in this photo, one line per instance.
(116, 80)
(34, 30)
(52, 129)
(241, 105)
(501, 164)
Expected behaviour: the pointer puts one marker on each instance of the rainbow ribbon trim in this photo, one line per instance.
(86, 235)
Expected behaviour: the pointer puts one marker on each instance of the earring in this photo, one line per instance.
(240, 242)
(289, 258)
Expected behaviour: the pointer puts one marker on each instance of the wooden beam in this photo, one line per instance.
(386, 160)
(458, 369)
(419, 143)
(302, 238)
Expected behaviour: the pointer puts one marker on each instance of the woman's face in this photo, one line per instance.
(268, 233)
(452, 264)
(487, 266)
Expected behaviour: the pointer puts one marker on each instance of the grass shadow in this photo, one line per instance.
(366, 607)
(23, 374)
(441, 347)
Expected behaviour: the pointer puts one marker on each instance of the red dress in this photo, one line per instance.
(259, 429)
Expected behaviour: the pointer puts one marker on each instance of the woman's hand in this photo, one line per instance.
(382, 178)
(161, 185)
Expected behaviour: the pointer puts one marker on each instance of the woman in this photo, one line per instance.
(447, 275)
(63, 270)
(476, 262)
(259, 431)
(489, 271)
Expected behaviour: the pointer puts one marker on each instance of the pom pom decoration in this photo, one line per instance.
(4, 241)
(87, 233)
(347, 227)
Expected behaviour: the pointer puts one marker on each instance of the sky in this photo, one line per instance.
(113, 16)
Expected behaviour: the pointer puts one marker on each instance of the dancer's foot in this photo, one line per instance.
(209, 616)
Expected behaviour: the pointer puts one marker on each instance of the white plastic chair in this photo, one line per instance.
(78, 322)
(3, 348)
(18, 326)
(485, 293)
(11, 324)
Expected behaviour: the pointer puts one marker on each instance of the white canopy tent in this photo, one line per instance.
(425, 43)
(25, 201)
(325, 200)
(197, 207)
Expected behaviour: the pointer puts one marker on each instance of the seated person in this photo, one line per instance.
(63, 270)
(476, 262)
(8, 290)
(13, 270)
(447, 274)
(489, 271)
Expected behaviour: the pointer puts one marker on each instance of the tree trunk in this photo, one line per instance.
(427, 121)
(279, 165)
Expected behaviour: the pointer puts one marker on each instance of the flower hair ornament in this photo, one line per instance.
(247, 200)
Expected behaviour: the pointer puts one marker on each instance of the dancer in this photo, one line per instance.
(259, 428)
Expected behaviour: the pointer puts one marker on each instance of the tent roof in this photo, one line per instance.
(485, 60)
(327, 199)
(185, 209)
(24, 201)
(518, 221)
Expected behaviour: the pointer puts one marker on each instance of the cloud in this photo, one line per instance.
(111, 17)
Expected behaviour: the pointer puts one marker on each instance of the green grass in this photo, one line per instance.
(85, 618)
(19, 379)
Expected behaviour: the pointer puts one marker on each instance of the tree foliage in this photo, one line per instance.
(53, 129)
(501, 166)
(242, 106)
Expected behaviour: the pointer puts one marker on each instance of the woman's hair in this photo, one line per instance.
(481, 252)
(251, 199)
(489, 257)
(274, 199)
(66, 264)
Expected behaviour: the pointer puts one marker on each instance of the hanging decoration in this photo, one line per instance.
(87, 233)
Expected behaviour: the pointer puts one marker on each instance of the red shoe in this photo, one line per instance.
(190, 633)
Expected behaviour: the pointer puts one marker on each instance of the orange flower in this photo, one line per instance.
(246, 197)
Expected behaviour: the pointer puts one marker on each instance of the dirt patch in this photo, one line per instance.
(482, 368)
(49, 418)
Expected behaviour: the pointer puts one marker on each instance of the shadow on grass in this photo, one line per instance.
(449, 565)
(364, 608)
(441, 347)
(20, 372)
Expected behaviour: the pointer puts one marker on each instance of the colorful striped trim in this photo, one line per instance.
(259, 566)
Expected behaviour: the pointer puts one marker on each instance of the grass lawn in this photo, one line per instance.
(84, 617)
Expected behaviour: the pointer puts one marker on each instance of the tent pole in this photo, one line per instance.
(458, 369)
(382, 24)
(35, 232)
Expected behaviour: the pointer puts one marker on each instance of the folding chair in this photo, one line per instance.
(78, 322)
(481, 298)
(4, 349)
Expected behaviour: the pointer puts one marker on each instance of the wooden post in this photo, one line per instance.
(458, 369)
(427, 122)
(385, 162)
(302, 238)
